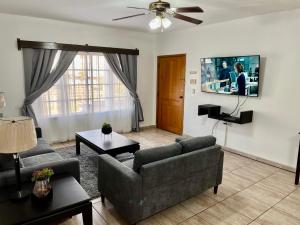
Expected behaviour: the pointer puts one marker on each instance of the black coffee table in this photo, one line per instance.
(112, 144)
(69, 199)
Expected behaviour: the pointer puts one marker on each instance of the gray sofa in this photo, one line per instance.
(161, 177)
(35, 159)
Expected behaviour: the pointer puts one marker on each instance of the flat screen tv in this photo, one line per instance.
(234, 75)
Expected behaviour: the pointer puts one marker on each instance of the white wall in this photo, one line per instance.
(27, 28)
(273, 133)
(276, 37)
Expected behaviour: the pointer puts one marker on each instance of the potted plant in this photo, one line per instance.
(42, 186)
(106, 128)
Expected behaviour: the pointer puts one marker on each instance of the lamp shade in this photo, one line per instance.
(2, 100)
(17, 135)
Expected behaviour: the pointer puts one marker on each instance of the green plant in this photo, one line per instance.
(106, 126)
(43, 174)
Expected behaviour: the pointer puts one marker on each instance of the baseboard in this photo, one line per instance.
(147, 127)
(265, 161)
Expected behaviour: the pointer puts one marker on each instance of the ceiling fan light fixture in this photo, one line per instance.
(166, 22)
(155, 23)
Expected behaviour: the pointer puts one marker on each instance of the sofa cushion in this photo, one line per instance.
(124, 157)
(181, 138)
(196, 143)
(146, 156)
(128, 163)
(40, 159)
(41, 148)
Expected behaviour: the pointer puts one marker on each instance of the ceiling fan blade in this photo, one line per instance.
(126, 17)
(195, 9)
(186, 18)
(131, 7)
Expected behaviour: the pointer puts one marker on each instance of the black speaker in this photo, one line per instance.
(246, 116)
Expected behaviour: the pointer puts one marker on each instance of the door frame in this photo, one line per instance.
(157, 85)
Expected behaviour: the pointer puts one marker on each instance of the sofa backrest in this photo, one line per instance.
(180, 167)
(155, 154)
(196, 143)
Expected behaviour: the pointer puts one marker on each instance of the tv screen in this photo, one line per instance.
(237, 75)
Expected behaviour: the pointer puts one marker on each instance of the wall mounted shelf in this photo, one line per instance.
(214, 112)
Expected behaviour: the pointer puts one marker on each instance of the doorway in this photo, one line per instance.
(170, 92)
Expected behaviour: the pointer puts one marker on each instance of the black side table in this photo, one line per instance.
(298, 167)
(69, 199)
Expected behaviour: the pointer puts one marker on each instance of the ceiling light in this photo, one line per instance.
(155, 23)
(160, 22)
(166, 22)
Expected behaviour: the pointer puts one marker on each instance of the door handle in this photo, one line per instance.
(181, 97)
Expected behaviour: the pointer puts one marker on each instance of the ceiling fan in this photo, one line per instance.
(162, 10)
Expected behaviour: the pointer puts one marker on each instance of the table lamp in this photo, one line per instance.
(2, 102)
(17, 135)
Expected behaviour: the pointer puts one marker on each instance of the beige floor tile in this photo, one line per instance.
(77, 220)
(276, 217)
(246, 205)
(157, 219)
(283, 177)
(96, 200)
(249, 174)
(264, 168)
(109, 214)
(290, 205)
(97, 219)
(199, 203)
(231, 165)
(177, 213)
(195, 220)
(235, 181)
(296, 193)
(276, 186)
(263, 194)
(220, 214)
(254, 223)
(224, 192)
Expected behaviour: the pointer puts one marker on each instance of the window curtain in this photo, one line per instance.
(40, 75)
(85, 97)
(125, 68)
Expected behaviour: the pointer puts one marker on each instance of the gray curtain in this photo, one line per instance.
(38, 75)
(125, 68)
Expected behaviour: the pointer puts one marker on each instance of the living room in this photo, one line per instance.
(260, 156)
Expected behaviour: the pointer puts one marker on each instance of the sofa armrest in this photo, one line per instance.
(121, 185)
(38, 131)
(220, 168)
(66, 166)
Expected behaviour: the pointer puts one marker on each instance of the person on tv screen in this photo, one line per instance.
(241, 80)
(224, 73)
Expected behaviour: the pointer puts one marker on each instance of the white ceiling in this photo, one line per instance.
(101, 12)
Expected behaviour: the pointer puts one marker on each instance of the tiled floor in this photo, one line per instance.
(251, 193)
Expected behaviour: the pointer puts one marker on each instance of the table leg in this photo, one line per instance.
(87, 215)
(136, 149)
(77, 146)
(298, 168)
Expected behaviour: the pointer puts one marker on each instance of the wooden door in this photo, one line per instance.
(170, 92)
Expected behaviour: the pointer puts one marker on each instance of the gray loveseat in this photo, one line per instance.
(37, 158)
(160, 177)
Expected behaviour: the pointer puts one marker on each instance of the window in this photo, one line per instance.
(88, 86)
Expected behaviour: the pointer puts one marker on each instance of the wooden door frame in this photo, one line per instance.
(157, 85)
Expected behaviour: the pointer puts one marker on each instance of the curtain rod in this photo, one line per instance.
(71, 47)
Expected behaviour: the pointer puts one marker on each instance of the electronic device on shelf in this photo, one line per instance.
(214, 112)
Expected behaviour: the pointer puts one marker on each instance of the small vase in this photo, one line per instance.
(107, 130)
(42, 188)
